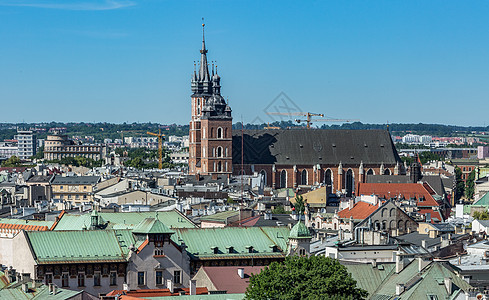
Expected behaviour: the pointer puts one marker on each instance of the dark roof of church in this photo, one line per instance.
(314, 146)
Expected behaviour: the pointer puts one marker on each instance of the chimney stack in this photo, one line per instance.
(374, 263)
(448, 285)
(399, 262)
(193, 287)
(351, 203)
(169, 285)
(399, 289)
(26, 277)
(25, 287)
(241, 273)
(423, 244)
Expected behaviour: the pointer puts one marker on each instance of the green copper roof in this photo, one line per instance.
(75, 246)
(300, 231)
(151, 225)
(200, 242)
(483, 201)
(40, 293)
(124, 220)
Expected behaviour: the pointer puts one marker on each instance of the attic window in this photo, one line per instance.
(215, 250)
(274, 248)
(230, 249)
(334, 145)
(301, 146)
(352, 157)
(382, 145)
(365, 145)
(320, 158)
(287, 157)
(250, 249)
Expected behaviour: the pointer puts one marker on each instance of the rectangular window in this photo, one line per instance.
(159, 277)
(140, 278)
(177, 277)
(96, 279)
(49, 278)
(64, 280)
(81, 279)
(113, 278)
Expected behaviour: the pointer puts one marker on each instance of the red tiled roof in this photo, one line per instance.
(434, 214)
(23, 226)
(155, 293)
(227, 278)
(391, 190)
(360, 211)
(251, 221)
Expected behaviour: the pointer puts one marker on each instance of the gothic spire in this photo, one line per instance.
(204, 68)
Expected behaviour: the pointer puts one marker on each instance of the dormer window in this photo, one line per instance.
(159, 252)
(250, 249)
(215, 250)
(230, 249)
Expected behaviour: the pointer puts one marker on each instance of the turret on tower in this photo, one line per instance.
(211, 122)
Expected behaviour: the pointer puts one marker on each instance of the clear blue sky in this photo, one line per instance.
(131, 61)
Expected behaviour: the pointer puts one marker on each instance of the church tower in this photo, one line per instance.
(211, 122)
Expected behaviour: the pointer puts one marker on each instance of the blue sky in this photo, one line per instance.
(131, 61)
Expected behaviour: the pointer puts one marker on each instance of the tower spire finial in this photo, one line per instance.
(203, 27)
(203, 69)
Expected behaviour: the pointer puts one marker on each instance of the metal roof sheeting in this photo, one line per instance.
(75, 246)
(200, 242)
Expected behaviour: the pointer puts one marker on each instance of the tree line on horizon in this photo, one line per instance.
(103, 130)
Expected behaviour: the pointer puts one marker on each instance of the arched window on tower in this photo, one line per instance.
(264, 177)
(327, 177)
(219, 167)
(304, 177)
(219, 133)
(349, 183)
(283, 179)
(219, 151)
(370, 172)
(387, 172)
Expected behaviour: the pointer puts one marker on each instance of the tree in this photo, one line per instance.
(469, 185)
(460, 186)
(299, 205)
(13, 161)
(298, 277)
(480, 215)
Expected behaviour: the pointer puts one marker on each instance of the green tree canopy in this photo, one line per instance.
(460, 186)
(299, 205)
(13, 161)
(480, 215)
(315, 277)
(470, 185)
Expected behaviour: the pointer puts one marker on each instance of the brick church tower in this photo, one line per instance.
(211, 123)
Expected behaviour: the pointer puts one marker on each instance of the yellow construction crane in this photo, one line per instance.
(122, 133)
(160, 147)
(308, 116)
(270, 127)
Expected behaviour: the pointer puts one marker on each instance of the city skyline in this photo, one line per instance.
(131, 61)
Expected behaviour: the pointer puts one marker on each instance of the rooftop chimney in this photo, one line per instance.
(448, 285)
(399, 289)
(169, 285)
(351, 203)
(399, 262)
(423, 244)
(25, 287)
(374, 263)
(193, 287)
(241, 273)
(26, 277)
